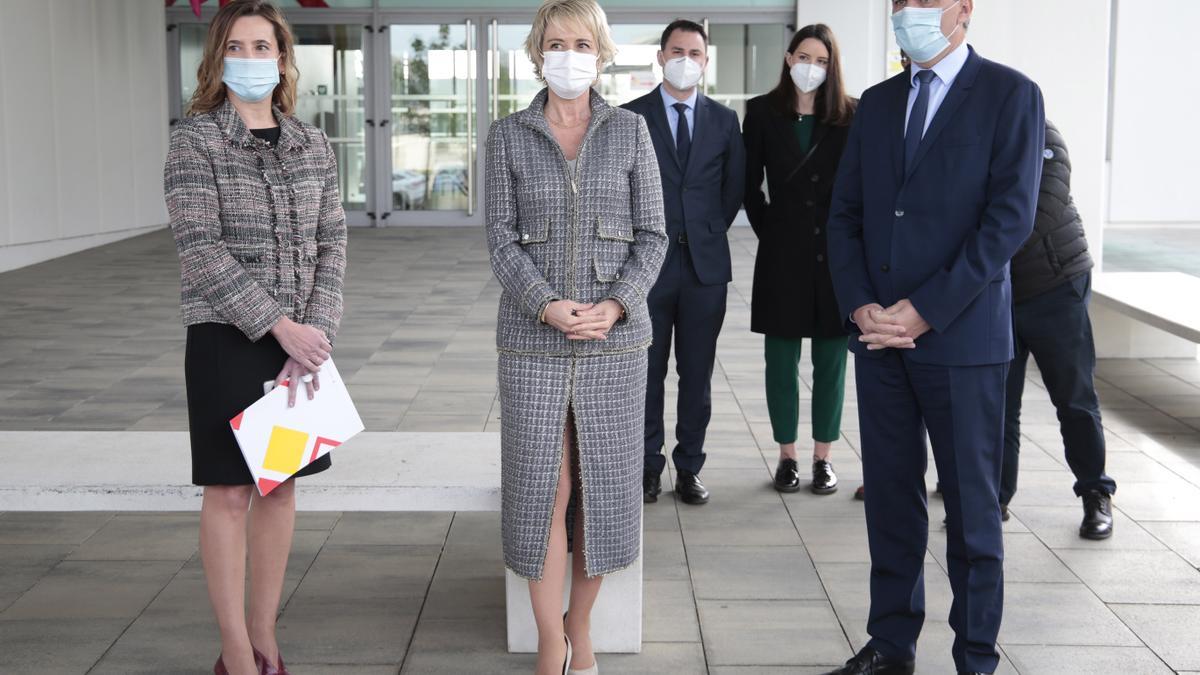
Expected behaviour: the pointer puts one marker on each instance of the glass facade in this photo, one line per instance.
(407, 105)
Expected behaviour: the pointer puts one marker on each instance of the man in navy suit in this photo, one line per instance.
(936, 191)
(700, 154)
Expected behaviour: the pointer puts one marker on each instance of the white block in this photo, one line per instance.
(616, 617)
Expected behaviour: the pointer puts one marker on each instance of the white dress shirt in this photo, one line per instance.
(944, 74)
(669, 102)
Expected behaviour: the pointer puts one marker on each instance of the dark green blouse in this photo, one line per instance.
(804, 131)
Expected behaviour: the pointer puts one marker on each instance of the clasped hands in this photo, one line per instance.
(895, 327)
(580, 321)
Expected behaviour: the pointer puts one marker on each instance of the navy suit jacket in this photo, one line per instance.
(703, 197)
(943, 233)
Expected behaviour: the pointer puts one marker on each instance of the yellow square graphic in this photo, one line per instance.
(285, 450)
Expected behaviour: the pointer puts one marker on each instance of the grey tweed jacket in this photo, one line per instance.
(260, 230)
(596, 235)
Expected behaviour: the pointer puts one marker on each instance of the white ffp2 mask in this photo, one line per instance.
(683, 72)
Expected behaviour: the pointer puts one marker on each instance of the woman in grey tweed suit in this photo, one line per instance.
(252, 194)
(577, 235)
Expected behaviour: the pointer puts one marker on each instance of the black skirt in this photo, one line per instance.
(225, 372)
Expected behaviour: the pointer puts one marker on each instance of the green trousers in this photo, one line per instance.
(783, 387)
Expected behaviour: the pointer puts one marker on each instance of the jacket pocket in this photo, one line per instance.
(609, 229)
(535, 230)
(607, 270)
(248, 253)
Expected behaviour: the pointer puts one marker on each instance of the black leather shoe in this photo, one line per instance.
(860, 493)
(651, 486)
(870, 662)
(689, 488)
(1097, 515)
(787, 476)
(824, 480)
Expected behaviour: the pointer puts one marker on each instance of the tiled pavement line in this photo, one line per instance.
(691, 582)
(425, 597)
(48, 570)
(133, 620)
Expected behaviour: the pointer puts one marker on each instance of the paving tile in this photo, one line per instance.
(1160, 577)
(45, 527)
(762, 573)
(1033, 616)
(92, 590)
(362, 573)
(22, 565)
(764, 633)
(391, 529)
(1168, 630)
(669, 612)
(1183, 538)
(131, 536)
(56, 645)
(834, 539)
(1073, 660)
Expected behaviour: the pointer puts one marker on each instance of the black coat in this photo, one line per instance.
(793, 292)
(1057, 251)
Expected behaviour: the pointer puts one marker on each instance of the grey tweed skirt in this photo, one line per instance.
(607, 394)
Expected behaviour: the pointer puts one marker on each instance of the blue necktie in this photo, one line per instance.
(683, 137)
(916, 119)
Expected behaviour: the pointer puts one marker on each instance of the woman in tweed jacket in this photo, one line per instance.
(577, 235)
(253, 200)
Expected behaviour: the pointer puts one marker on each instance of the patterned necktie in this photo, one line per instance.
(916, 119)
(683, 136)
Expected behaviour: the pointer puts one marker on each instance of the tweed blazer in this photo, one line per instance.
(260, 230)
(596, 235)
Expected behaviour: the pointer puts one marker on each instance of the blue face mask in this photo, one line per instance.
(919, 32)
(251, 80)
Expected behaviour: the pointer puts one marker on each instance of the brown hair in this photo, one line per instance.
(210, 90)
(832, 105)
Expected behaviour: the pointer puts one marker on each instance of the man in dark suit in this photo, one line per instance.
(702, 160)
(936, 191)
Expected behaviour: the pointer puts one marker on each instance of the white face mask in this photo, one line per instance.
(808, 76)
(683, 73)
(569, 73)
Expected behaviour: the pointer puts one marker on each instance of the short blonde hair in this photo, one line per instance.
(587, 14)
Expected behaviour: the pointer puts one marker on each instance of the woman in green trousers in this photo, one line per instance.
(794, 136)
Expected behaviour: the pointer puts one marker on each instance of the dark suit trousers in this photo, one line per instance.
(681, 306)
(962, 409)
(1055, 327)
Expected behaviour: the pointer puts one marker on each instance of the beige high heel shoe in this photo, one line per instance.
(593, 670)
(567, 663)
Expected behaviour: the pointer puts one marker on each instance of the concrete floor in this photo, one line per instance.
(754, 582)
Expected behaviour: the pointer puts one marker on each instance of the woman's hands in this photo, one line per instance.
(306, 345)
(307, 349)
(294, 374)
(583, 321)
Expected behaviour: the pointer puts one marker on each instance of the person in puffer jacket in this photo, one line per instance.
(1051, 280)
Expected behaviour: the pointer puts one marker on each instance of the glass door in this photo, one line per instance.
(331, 96)
(429, 118)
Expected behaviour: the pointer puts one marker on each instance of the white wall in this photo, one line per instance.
(1063, 46)
(83, 124)
(860, 28)
(1156, 137)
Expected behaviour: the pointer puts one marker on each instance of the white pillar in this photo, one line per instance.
(616, 618)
